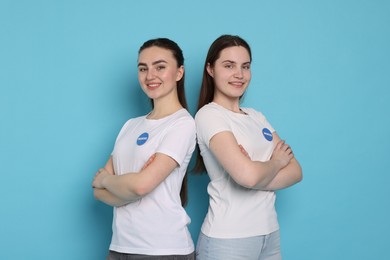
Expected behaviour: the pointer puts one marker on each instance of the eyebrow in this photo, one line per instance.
(230, 61)
(154, 63)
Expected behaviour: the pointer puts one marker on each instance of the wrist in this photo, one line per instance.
(278, 164)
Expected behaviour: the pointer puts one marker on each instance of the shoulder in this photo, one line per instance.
(184, 116)
(182, 119)
(133, 121)
(210, 120)
(183, 113)
(209, 110)
(128, 125)
(254, 113)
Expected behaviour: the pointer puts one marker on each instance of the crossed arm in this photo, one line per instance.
(119, 190)
(281, 171)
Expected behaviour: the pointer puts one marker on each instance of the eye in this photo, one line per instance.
(246, 67)
(142, 69)
(228, 66)
(160, 68)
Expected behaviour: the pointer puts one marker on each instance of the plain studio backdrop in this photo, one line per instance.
(68, 78)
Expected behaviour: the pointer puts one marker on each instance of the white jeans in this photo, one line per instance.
(265, 247)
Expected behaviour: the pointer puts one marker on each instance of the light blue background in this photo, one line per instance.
(321, 74)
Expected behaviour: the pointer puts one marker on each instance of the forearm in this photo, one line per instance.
(286, 177)
(123, 187)
(108, 198)
(112, 189)
(135, 185)
(263, 173)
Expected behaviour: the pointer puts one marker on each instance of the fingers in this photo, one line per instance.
(93, 182)
(94, 178)
(152, 157)
(279, 145)
(150, 160)
(282, 146)
(244, 152)
(100, 171)
(286, 148)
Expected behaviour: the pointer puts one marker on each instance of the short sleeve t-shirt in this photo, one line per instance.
(156, 224)
(236, 211)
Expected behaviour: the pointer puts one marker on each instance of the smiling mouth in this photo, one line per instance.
(237, 84)
(153, 85)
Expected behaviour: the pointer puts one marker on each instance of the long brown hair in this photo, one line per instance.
(206, 94)
(172, 46)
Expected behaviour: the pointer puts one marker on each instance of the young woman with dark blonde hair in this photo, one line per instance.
(244, 158)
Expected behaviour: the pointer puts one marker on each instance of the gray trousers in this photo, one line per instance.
(112, 255)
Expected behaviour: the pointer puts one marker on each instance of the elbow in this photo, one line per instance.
(300, 176)
(135, 187)
(258, 184)
(249, 181)
(140, 190)
(249, 178)
(257, 178)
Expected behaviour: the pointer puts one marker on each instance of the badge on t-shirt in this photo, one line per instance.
(267, 134)
(142, 138)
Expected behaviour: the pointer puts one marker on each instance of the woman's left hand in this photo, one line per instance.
(244, 152)
(98, 179)
(150, 160)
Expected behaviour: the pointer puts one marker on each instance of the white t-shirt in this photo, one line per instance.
(236, 211)
(157, 223)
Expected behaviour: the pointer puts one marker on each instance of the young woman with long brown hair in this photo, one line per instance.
(244, 158)
(144, 178)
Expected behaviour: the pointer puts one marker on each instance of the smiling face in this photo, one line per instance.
(231, 73)
(158, 72)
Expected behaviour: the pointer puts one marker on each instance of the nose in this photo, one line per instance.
(239, 73)
(150, 74)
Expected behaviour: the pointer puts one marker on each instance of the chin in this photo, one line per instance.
(238, 94)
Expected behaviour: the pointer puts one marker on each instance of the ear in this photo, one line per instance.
(180, 73)
(210, 70)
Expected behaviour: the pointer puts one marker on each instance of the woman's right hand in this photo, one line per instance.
(150, 160)
(282, 154)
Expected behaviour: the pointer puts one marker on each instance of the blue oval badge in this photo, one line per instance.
(142, 138)
(267, 134)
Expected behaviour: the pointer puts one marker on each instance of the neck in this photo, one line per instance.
(232, 104)
(163, 108)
